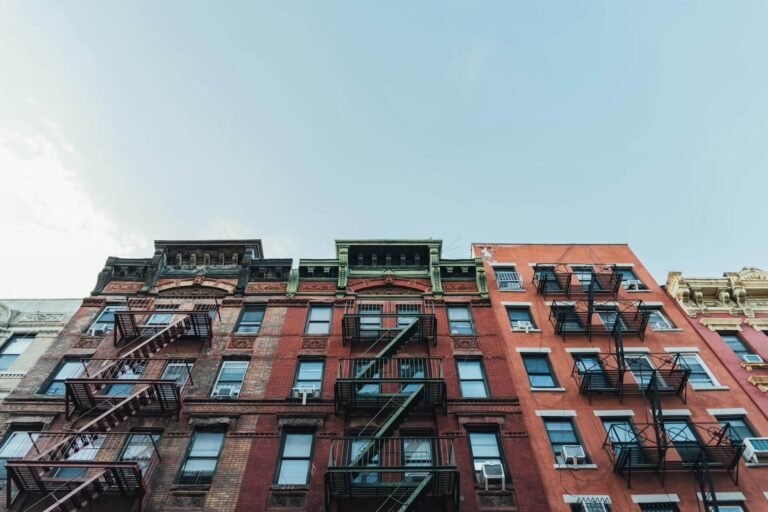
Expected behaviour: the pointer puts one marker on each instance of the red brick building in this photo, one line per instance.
(627, 407)
(210, 378)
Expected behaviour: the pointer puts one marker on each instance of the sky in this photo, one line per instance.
(303, 122)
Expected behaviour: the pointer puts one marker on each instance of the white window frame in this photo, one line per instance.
(214, 391)
(97, 324)
(658, 310)
(698, 387)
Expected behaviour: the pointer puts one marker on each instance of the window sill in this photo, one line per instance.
(709, 388)
(190, 488)
(526, 332)
(756, 464)
(638, 291)
(556, 390)
(671, 329)
(511, 290)
(289, 487)
(580, 466)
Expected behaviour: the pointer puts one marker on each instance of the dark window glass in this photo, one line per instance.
(520, 317)
(561, 432)
(295, 458)
(319, 319)
(140, 447)
(13, 348)
(16, 444)
(309, 374)
(485, 449)
(539, 371)
(472, 379)
(736, 344)
(251, 319)
(738, 428)
(460, 320)
(202, 457)
(68, 369)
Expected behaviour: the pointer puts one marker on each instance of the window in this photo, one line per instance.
(319, 319)
(180, 372)
(251, 319)
(159, 319)
(202, 456)
(659, 507)
(591, 506)
(520, 318)
(472, 379)
(15, 446)
(370, 319)
(624, 439)
(309, 374)
(736, 344)
(609, 316)
(13, 348)
(68, 369)
(140, 447)
(230, 379)
(539, 371)
(700, 377)
(417, 452)
(642, 369)
(363, 368)
(508, 279)
(460, 320)
(357, 448)
(546, 279)
(585, 275)
(683, 438)
(738, 428)
(131, 370)
(84, 448)
(295, 458)
(407, 313)
(561, 432)
(728, 507)
(485, 449)
(105, 322)
(657, 320)
(588, 365)
(629, 279)
(411, 369)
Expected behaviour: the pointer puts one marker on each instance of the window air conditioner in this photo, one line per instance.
(227, 392)
(97, 332)
(633, 284)
(305, 392)
(492, 471)
(756, 449)
(520, 325)
(751, 358)
(573, 454)
(594, 507)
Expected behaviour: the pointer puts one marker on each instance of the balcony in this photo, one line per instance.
(601, 318)
(376, 328)
(375, 384)
(638, 449)
(128, 387)
(604, 375)
(402, 469)
(63, 471)
(561, 280)
(132, 325)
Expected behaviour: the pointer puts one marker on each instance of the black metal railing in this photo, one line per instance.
(599, 318)
(374, 327)
(564, 280)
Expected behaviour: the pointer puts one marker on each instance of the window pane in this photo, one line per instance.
(473, 389)
(252, 315)
(310, 370)
(233, 371)
(207, 444)
(541, 381)
(470, 370)
(17, 345)
(458, 313)
(484, 444)
(536, 364)
(205, 466)
(519, 314)
(317, 328)
(293, 472)
(320, 313)
(297, 445)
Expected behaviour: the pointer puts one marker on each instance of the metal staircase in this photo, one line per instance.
(67, 471)
(401, 470)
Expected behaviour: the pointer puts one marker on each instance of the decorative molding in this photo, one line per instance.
(388, 285)
(460, 286)
(760, 324)
(466, 343)
(88, 342)
(761, 382)
(314, 343)
(721, 324)
(242, 342)
(317, 286)
(40, 317)
(287, 499)
(94, 302)
(232, 303)
(267, 287)
(122, 287)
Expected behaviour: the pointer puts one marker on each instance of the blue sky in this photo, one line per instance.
(302, 122)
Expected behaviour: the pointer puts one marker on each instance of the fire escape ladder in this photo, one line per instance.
(82, 495)
(410, 501)
(658, 417)
(703, 476)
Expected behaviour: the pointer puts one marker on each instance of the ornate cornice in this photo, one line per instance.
(736, 293)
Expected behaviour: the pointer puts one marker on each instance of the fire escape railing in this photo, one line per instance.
(108, 392)
(589, 317)
(408, 468)
(561, 280)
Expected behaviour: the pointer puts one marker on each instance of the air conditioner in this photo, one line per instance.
(633, 284)
(415, 477)
(305, 392)
(573, 454)
(492, 471)
(520, 325)
(756, 449)
(97, 332)
(227, 392)
(751, 358)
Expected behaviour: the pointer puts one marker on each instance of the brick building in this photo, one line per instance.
(627, 407)
(210, 378)
(731, 314)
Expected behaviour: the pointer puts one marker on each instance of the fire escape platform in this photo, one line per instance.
(381, 327)
(669, 376)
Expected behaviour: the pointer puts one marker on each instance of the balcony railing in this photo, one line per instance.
(509, 280)
(606, 318)
(637, 449)
(382, 327)
(360, 466)
(135, 324)
(65, 471)
(377, 383)
(101, 384)
(562, 280)
(604, 375)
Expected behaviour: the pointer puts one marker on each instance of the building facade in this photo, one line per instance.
(209, 378)
(731, 314)
(27, 329)
(626, 405)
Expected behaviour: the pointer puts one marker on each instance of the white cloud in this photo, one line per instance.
(55, 239)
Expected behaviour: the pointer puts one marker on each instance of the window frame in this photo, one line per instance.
(623, 271)
(14, 429)
(94, 326)
(124, 448)
(502, 457)
(747, 350)
(185, 459)
(571, 421)
(14, 337)
(521, 308)
(239, 323)
(303, 360)
(484, 379)
(281, 457)
(309, 322)
(657, 507)
(469, 321)
(550, 373)
(224, 362)
(722, 419)
(49, 382)
(520, 286)
(714, 383)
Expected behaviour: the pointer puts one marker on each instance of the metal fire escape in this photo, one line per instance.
(375, 464)
(67, 471)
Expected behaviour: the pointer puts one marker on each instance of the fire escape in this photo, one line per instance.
(398, 472)
(698, 448)
(92, 462)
